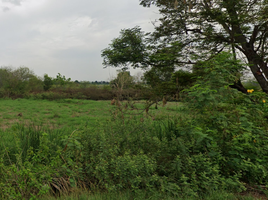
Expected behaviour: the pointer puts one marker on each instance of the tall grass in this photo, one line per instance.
(205, 151)
(128, 195)
(18, 139)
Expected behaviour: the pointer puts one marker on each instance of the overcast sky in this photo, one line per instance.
(66, 36)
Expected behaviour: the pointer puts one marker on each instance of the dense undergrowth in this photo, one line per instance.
(218, 144)
(91, 92)
(23, 83)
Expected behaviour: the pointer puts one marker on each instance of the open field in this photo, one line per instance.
(48, 148)
(72, 113)
(53, 114)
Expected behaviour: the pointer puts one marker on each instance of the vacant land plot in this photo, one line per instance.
(75, 113)
(66, 145)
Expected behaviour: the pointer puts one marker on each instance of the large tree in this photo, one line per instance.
(129, 49)
(206, 27)
(134, 48)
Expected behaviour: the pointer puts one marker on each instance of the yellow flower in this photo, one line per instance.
(263, 101)
(250, 91)
(254, 141)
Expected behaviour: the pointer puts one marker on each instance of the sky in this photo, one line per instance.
(67, 36)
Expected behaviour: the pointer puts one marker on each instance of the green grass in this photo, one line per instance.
(59, 119)
(72, 113)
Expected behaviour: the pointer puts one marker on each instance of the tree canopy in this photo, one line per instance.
(206, 27)
(128, 49)
(135, 48)
(190, 31)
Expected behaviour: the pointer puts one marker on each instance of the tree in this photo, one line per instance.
(204, 28)
(48, 82)
(123, 80)
(35, 84)
(16, 82)
(61, 80)
(128, 49)
(184, 79)
(134, 48)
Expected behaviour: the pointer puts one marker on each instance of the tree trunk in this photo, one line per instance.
(238, 85)
(258, 74)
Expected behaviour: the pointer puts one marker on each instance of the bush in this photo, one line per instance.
(220, 144)
(15, 83)
(48, 82)
(234, 121)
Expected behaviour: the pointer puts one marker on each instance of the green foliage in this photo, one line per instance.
(31, 168)
(142, 195)
(133, 48)
(162, 158)
(183, 78)
(205, 28)
(218, 143)
(17, 82)
(165, 82)
(159, 84)
(128, 48)
(29, 177)
(35, 84)
(221, 145)
(157, 76)
(251, 84)
(235, 121)
(48, 82)
(60, 80)
(123, 80)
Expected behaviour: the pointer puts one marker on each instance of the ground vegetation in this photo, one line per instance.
(213, 144)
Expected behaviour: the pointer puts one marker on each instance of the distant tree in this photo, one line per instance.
(183, 78)
(48, 82)
(35, 84)
(15, 82)
(61, 80)
(123, 80)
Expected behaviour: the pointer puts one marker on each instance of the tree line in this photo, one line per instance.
(20, 82)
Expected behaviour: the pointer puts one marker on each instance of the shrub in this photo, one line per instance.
(220, 145)
(48, 82)
(234, 121)
(15, 83)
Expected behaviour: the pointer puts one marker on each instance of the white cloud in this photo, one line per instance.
(66, 36)
(14, 2)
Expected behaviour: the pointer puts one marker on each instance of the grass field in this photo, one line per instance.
(23, 122)
(71, 113)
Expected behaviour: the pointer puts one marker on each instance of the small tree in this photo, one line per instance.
(35, 84)
(14, 82)
(61, 80)
(123, 81)
(48, 82)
